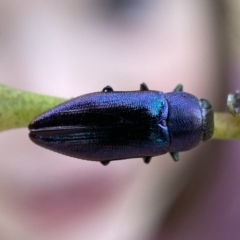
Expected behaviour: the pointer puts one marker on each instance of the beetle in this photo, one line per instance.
(110, 125)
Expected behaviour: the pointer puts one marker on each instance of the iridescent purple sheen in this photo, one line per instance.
(184, 121)
(108, 126)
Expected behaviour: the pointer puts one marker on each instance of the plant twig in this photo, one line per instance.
(18, 108)
(226, 126)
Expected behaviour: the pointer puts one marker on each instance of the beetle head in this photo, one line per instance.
(207, 119)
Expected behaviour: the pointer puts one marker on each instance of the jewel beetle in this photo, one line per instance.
(110, 125)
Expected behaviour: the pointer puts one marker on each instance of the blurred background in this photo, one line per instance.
(69, 48)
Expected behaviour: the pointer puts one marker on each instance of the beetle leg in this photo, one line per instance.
(178, 88)
(143, 87)
(174, 156)
(107, 89)
(147, 159)
(105, 163)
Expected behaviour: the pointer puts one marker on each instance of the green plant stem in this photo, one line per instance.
(18, 108)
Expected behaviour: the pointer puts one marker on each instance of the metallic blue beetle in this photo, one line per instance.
(108, 125)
